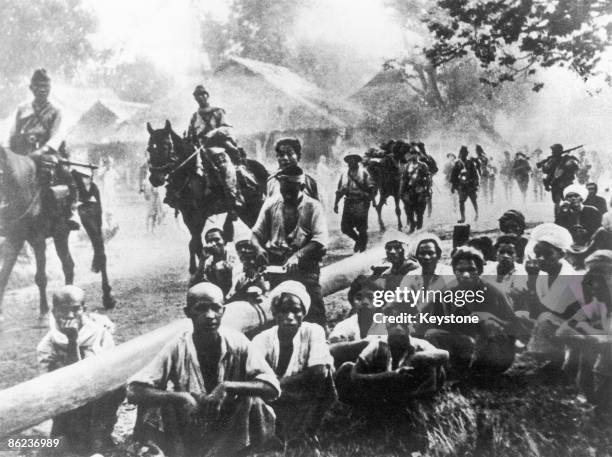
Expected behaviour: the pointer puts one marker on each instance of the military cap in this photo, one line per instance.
(556, 148)
(40, 76)
(352, 155)
(200, 88)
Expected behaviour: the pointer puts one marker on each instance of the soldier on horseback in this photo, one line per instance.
(36, 133)
(208, 130)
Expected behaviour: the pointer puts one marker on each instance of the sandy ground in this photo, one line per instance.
(149, 274)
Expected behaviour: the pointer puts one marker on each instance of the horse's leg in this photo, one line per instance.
(39, 245)
(420, 212)
(195, 226)
(398, 213)
(60, 240)
(378, 206)
(10, 252)
(409, 208)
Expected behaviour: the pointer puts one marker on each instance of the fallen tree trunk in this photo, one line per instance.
(46, 396)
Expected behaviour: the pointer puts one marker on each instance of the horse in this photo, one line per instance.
(415, 192)
(201, 195)
(30, 214)
(385, 172)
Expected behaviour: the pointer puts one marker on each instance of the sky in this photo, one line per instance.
(167, 32)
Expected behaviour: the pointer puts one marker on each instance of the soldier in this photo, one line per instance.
(205, 129)
(358, 190)
(36, 133)
(483, 162)
(520, 172)
(505, 173)
(447, 170)
(559, 169)
(537, 177)
(464, 179)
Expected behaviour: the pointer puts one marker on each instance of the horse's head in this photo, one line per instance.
(163, 149)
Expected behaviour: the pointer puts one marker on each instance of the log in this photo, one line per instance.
(50, 394)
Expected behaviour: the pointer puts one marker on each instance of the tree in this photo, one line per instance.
(514, 37)
(46, 33)
(261, 29)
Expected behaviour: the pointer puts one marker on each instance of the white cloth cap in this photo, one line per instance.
(553, 234)
(294, 288)
(576, 189)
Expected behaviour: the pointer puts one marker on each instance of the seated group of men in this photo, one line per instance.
(212, 391)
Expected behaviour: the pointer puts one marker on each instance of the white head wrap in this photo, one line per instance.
(294, 288)
(576, 189)
(551, 233)
(606, 221)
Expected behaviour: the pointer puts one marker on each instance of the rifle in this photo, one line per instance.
(541, 163)
(78, 164)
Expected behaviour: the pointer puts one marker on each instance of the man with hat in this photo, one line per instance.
(358, 189)
(289, 154)
(520, 171)
(37, 133)
(291, 232)
(560, 170)
(252, 273)
(579, 219)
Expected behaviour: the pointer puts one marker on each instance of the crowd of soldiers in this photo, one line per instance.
(213, 391)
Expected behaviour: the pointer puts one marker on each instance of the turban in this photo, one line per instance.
(421, 238)
(290, 287)
(552, 234)
(40, 76)
(292, 174)
(600, 260)
(576, 189)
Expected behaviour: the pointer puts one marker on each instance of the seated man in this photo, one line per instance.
(251, 275)
(389, 374)
(509, 275)
(556, 291)
(512, 223)
(291, 232)
(579, 219)
(595, 200)
(351, 335)
(486, 345)
(299, 355)
(589, 333)
(76, 335)
(218, 263)
(400, 265)
(430, 274)
(219, 385)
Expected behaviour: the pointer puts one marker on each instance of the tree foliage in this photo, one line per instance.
(514, 37)
(260, 29)
(46, 33)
